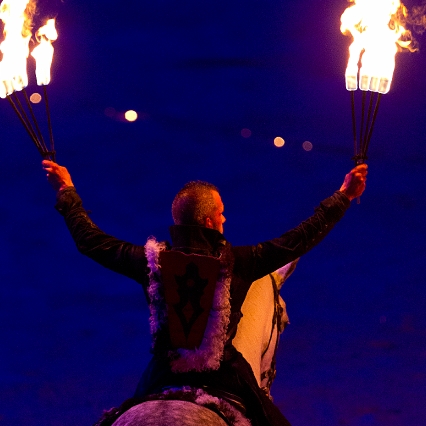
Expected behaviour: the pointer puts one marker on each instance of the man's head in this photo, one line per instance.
(199, 203)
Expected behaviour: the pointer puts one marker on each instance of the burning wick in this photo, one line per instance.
(16, 16)
(377, 35)
(43, 53)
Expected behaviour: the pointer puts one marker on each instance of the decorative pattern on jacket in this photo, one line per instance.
(208, 354)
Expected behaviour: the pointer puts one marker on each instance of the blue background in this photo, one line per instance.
(74, 336)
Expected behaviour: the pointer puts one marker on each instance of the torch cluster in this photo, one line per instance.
(378, 35)
(17, 19)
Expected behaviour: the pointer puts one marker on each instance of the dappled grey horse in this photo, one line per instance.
(257, 337)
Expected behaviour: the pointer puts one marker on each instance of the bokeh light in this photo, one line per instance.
(131, 115)
(307, 146)
(245, 133)
(279, 142)
(35, 98)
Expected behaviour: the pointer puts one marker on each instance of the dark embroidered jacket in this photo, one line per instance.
(249, 264)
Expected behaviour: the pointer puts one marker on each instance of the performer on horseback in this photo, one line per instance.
(195, 288)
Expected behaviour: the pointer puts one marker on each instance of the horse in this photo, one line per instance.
(264, 319)
(257, 337)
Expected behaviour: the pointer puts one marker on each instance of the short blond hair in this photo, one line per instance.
(194, 203)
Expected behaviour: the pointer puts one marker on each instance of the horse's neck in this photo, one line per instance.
(254, 328)
(256, 336)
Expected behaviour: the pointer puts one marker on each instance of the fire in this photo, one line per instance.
(13, 67)
(377, 36)
(43, 53)
(17, 18)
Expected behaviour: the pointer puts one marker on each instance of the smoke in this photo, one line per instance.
(414, 20)
(417, 18)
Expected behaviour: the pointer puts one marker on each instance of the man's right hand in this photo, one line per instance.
(57, 175)
(354, 183)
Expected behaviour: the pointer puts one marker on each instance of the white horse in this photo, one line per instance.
(257, 337)
(264, 319)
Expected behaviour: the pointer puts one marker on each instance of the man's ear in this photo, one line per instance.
(208, 223)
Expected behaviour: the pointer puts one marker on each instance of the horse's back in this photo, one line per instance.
(169, 413)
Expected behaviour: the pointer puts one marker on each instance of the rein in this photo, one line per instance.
(278, 311)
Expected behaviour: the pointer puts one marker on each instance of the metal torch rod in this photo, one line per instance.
(24, 115)
(361, 133)
(354, 125)
(31, 134)
(39, 134)
(49, 122)
(370, 131)
(367, 123)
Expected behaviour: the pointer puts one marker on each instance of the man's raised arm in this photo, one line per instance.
(264, 258)
(120, 256)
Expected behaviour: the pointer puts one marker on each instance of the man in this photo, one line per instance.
(196, 286)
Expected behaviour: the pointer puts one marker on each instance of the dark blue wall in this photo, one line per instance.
(74, 337)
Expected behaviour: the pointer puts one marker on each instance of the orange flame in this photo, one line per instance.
(16, 16)
(43, 53)
(377, 35)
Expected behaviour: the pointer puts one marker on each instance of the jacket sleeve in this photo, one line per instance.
(120, 256)
(254, 262)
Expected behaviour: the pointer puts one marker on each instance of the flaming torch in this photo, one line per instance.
(16, 16)
(43, 55)
(378, 35)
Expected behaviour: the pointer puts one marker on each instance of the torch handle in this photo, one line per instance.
(31, 134)
(49, 122)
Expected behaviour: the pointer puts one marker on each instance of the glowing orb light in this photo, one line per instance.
(307, 146)
(279, 142)
(245, 133)
(35, 98)
(131, 115)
